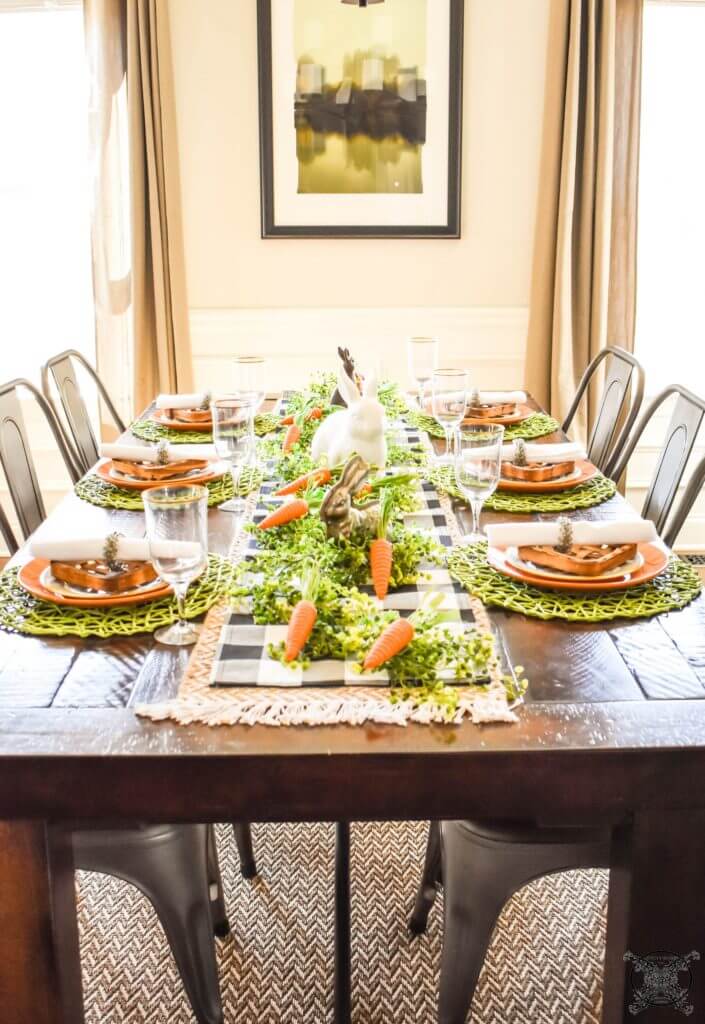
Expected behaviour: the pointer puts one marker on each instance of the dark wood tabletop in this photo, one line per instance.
(612, 731)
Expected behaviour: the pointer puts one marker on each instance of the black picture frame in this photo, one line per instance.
(270, 229)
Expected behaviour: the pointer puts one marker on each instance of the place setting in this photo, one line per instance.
(115, 585)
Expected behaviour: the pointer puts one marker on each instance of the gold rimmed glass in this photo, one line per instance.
(177, 531)
(422, 357)
(232, 426)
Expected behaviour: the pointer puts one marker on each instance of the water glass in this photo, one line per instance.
(422, 355)
(449, 389)
(250, 378)
(232, 422)
(177, 531)
(478, 464)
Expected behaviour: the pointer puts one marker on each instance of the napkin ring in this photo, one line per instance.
(520, 452)
(163, 453)
(565, 535)
(110, 550)
(206, 403)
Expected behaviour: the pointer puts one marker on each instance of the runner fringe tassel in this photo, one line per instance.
(199, 702)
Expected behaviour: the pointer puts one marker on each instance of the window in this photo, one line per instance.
(45, 255)
(670, 330)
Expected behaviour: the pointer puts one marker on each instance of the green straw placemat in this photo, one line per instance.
(677, 585)
(592, 492)
(536, 425)
(148, 430)
(22, 613)
(99, 492)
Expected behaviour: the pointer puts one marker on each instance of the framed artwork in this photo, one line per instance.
(360, 117)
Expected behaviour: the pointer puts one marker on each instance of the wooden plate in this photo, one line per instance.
(523, 412)
(30, 577)
(655, 561)
(160, 416)
(584, 471)
(216, 469)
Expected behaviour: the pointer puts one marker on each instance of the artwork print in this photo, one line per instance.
(360, 117)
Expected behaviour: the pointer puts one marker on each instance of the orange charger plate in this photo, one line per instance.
(160, 416)
(523, 412)
(655, 561)
(587, 472)
(30, 578)
(103, 471)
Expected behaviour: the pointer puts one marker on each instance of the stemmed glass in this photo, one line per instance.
(450, 391)
(478, 464)
(250, 372)
(422, 355)
(177, 531)
(232, 424)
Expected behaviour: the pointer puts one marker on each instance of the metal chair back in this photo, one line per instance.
(680, 437)
(623, 373)
(690, 494)
(16, 456)
(62, 369)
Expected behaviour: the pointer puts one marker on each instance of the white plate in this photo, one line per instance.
(618, 572)
(68, 590)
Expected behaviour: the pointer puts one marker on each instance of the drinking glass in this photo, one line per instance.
(422, 355)
(478, 462)
(250, 373)
(449, 389)
(232, 423)
(177, 531)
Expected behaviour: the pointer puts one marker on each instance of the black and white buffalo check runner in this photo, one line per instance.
(241, 658)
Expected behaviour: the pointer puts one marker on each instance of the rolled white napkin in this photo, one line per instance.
(192, 401)
(129, 549)
(560, 452)
(501, 397)
(615, 531)
(140, 453)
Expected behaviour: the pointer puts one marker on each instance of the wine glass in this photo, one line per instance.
(422, 355)
(232, 424)
(449, 389)
(177, 531)
(250, 373)
(478, 463)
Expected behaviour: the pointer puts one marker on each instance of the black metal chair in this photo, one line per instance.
(17, 462)
(686, 419)
(481, 864)
(175, 866)
(623, 374)
(62, 368)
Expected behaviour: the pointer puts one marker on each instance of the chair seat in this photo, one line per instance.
(533, 832)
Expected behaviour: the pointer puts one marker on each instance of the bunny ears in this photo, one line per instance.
(348, 389)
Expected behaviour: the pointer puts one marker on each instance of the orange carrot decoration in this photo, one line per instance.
(393, 639)
(286, 513)
(303, 617)
(397, 636)
(381, 549)
(314, 414)
(291, 437)
(318, 477)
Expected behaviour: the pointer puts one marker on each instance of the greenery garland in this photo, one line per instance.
(97, 491)
(676, 587)
(21, 612)
(592, 492)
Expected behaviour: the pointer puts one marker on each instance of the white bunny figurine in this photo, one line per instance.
(357, 429)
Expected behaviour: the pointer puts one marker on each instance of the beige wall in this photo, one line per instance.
(230, 267)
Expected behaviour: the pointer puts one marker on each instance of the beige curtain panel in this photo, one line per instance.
(138, 251)
(583, 294)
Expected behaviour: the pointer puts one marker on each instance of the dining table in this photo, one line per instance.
(611, 733)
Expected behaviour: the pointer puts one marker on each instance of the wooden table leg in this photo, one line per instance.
(341, 1013)
(40, 970)
(656, 905)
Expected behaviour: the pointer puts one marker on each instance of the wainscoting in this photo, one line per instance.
(489, 341)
